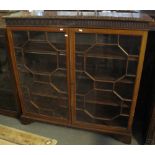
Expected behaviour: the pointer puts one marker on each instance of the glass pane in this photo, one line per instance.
(57, 40)
(131, 44)
(84, 83)
(7, 96)
(105, 69)
(40, 63)
(20, 38)
(35, 35)
(104, 85)
(125, 87)
(43, 74)
(82, 38)
(132, 67)
(107, 38)
(105, 66)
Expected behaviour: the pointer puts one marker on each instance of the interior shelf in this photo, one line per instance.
(104, 78)
(51, 97)
(41, 63)
(102, 97)
(100, 112)
(83, 83)
(23, 69)
(105, 69)
(120, 121)
(42, 88)
(56, 106)
(38, 46)
(81, 48)
(125, 89)
(59, 73)
(59, 79)
(128, 80)
(41, 52)
(130, 43)
(106, 51)
(60, 46)
(133, 57)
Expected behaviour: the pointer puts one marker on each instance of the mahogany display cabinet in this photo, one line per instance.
(79, 69)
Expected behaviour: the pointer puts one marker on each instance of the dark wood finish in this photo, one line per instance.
(8, 95)
(10, 113)
(92, 124)
(151, 13)
(27, 43)
(123, 138)
(25, 120)
(81, 14)
(95, 19)
(48, 30)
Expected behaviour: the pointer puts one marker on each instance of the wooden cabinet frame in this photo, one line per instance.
(14, 63)
(71, 78)
(139, 69)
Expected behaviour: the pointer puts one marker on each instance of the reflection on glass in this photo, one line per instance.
(7, 98)
(41, 59)
(106, 66)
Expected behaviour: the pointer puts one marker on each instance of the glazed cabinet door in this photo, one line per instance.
(41, 71)
(8, 100)
(107, 69)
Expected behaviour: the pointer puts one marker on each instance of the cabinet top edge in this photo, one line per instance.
(99, 15)
(85, 19)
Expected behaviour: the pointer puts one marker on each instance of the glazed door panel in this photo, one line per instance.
(40, 57)
(8, 100)
(106, 64)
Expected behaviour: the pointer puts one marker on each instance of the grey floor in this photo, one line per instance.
(64, 135)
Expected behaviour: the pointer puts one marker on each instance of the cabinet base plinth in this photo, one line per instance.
(123, 138)
(24, 120)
